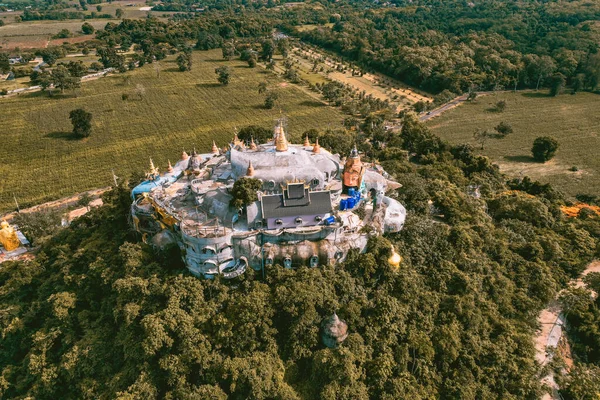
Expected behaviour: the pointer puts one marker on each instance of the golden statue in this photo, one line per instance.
(8, 237)
(395, 259)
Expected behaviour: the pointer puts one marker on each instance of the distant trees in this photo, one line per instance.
(228, 50)
(63, 34)
(77, 68)
(60, 77)
(184, 61)
(557, 84)
(82, 122)
(208, 41)
(223, 75)
(271, 99)
(119, 13)
(110, 58)
(4, 63)
(87, 28)
(283, 46)
(544, 148)
(267, 50)
(258, 133)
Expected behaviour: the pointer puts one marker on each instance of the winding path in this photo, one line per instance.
(552, 321)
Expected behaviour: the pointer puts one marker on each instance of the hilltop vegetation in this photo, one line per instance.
(176, 111)
(100, 315)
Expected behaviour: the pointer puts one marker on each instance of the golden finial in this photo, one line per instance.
(317, 148)
(395, 259)
(306, 142)
(253, 145)
(281, 143)
(215, 149)
(250, 170)
(170, 167)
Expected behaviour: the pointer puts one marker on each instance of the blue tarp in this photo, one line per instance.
(147, 186)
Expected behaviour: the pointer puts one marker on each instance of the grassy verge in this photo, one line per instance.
(571, 119)
(40, 161)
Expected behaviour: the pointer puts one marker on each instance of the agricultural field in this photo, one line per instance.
(377, 85)
(179, 110)
(38, 34)
(571, 119)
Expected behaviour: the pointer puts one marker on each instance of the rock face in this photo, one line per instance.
(335, 331)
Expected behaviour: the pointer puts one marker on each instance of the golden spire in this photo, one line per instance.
(250, 170)
(184, 155)
(306, 142)
(215, 149)
(253, 145)
(170, 167)
(281, 143)
(153, 173)
(317, 148)
(395, 259)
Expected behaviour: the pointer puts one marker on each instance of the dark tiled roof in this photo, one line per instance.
(318, 203)
(295, 190)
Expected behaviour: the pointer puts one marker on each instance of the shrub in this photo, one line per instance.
(544, 148)
(504, 128)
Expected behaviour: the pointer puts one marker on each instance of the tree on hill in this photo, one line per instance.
(244, 192)
(77, 68)
(118, 13)
(184, 61)
(223, 75)
(271, 99)
(267, 50)
(63, 80)
(82, 122)
(544, 148)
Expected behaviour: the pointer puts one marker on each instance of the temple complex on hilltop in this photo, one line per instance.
(311, 208)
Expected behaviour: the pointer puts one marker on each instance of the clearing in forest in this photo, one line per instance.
(177, 110)
(573, 120)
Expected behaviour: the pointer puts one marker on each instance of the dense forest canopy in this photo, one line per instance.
(459, 45)
(98, 314)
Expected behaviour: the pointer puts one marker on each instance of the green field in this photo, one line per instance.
(179, 110)
(574, 120)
